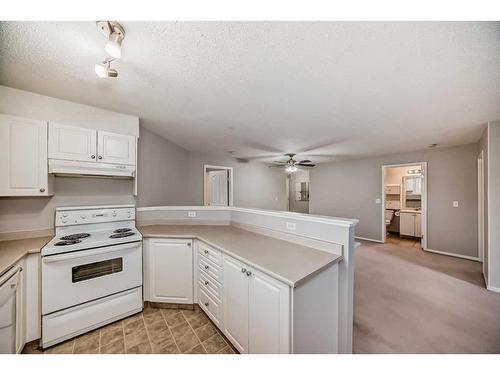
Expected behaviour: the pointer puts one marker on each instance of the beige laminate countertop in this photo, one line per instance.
(14, 250)
(291, 263)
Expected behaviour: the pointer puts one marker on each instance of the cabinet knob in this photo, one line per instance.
(243, 270)
(206, 251)
(99, 157)
(206, 304)
(92, 156)
(189, 244)
(207, 267)
(206, 282)
(249, 273)
(42, 190)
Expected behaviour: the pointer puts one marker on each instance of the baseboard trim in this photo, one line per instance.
(476, 259)
(493, 288)
(368, 239)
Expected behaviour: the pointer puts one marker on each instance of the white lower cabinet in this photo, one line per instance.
(256, 309)
(410, 224)
(168, 270)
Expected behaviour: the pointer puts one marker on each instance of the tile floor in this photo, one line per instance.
(158, 331)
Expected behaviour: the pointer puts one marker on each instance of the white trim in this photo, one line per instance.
(283, 214)
(476, 259)
(367, 239)
(230, 169)
(423, 165)
(493, 288)
(488, 188)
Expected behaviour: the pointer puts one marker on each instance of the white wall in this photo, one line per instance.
(349, 189)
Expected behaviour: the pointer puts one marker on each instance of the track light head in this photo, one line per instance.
(115, 34)
(104, 70)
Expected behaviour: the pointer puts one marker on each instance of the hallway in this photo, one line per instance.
(407, 300)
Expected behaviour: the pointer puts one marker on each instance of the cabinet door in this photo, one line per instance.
(23, 157)
(418, 225)
(406, 224)
(170, 271)
(269, 318)
(115, 148)
(72, 143)
(235, 302)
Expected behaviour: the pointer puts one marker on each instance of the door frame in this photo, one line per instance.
(480, 207)
(423, 165)
(206, 167)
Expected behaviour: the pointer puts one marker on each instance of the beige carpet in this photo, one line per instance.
(407, 300)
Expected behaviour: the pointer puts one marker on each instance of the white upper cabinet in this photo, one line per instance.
(23, 157)
(115, 148)
(72, 143)
(82, 144)
(269, 315)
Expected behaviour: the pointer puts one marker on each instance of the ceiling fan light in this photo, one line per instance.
(291, 169)
(114, 45)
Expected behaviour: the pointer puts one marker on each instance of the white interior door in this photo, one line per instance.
(218, 188)
(72, 143)
(235, 301)
(23, 161)
(115, 148)
(269, 315)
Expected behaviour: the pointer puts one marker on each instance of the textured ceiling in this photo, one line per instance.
(331, 89)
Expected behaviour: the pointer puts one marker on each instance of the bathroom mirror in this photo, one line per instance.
(412, 191)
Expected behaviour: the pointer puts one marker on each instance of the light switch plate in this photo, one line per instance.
(291, 226)
(378, 201)
(191, 213)
(455, 203)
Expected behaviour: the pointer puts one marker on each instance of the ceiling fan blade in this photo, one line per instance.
(280, 162)
(304, 161)
(276, 166)
(306, 165)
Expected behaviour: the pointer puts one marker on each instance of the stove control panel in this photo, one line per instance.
(93, 215)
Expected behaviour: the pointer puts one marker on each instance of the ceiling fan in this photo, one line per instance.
(291, 165)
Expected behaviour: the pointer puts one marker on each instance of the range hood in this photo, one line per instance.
(83, 168)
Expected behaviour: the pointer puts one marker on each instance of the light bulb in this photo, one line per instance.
(113, 46)
(101, 70)
(291, 169)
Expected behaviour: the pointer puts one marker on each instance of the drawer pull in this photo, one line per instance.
(206, 304)
(207, 267)
(206, 283)
(243, 270)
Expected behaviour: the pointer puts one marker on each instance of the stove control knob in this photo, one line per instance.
(83, 217)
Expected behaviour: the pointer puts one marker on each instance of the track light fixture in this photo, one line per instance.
(115, 34)
(104, 70)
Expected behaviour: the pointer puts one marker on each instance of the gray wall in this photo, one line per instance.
(255, 184)
(349, 189)
(162, 172)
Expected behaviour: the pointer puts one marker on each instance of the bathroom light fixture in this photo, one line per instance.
(115, 34)
(104, 70)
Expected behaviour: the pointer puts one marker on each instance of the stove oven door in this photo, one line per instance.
(73, 278)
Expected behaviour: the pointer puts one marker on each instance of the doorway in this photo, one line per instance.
(404, 203)
(297, 190)
(217, 185)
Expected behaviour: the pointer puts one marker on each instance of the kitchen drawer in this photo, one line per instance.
(210, 306)
(215, 256)
(211, 269)
(211, 286)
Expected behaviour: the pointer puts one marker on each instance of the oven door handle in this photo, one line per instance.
(87, 253)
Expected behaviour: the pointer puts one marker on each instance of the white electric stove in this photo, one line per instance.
(91, 271)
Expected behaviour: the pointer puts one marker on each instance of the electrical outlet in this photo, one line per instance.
(291, 226)
(191, 213)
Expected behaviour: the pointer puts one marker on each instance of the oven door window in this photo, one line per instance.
(97, 269)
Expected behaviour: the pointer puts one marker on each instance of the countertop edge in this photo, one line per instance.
(290, 283)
